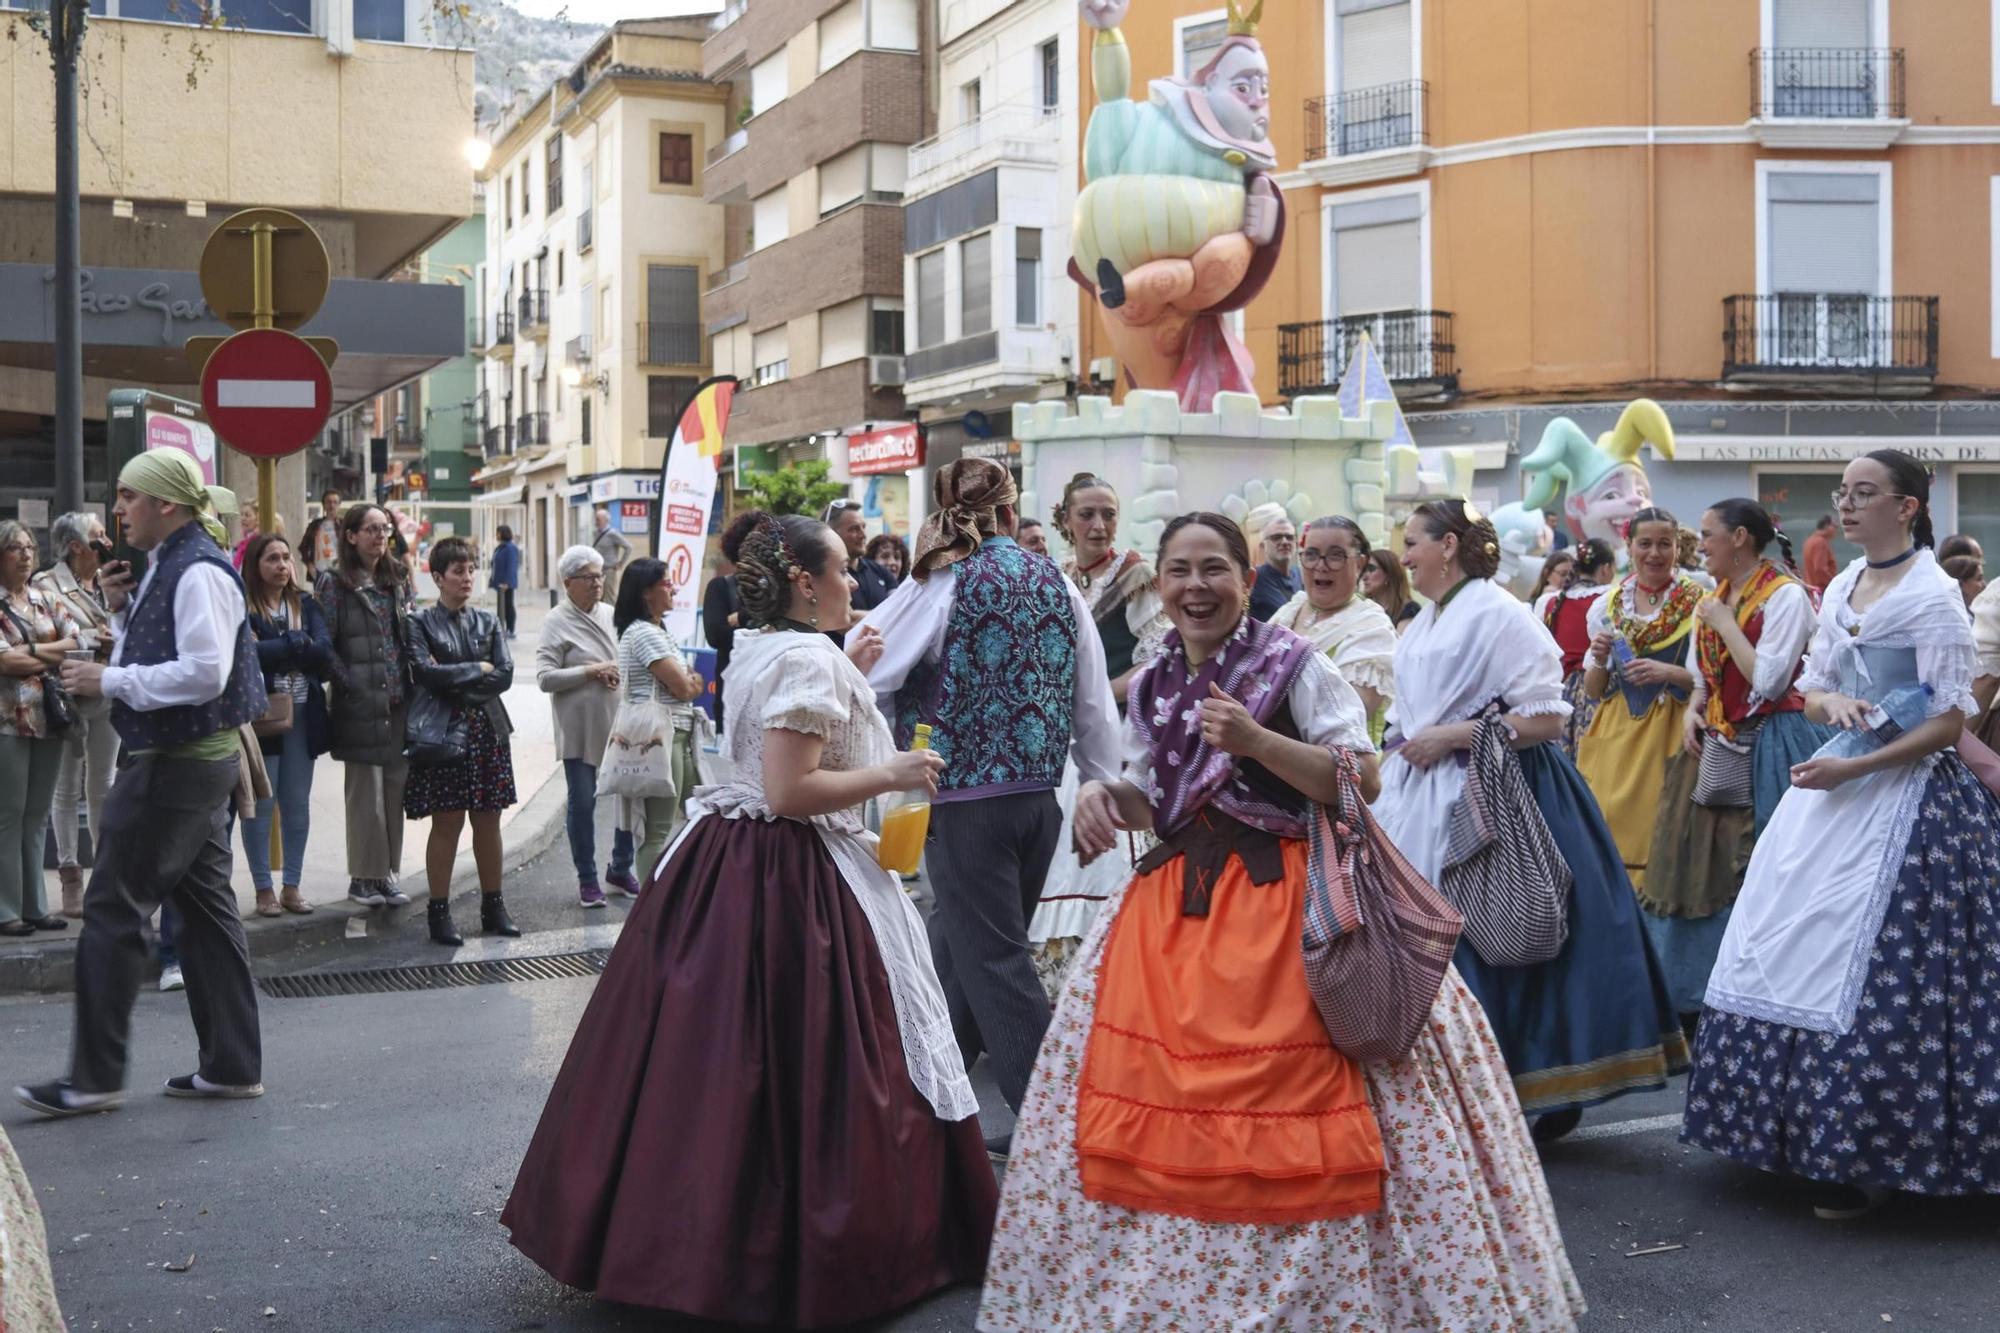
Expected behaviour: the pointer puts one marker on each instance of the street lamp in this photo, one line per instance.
(478, 153)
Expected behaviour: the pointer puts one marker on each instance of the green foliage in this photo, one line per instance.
(796, 488)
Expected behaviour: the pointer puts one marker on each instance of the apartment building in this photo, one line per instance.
(599, 244)
(1776, 216)
(824, 102)
(986, 223)
(354, 117)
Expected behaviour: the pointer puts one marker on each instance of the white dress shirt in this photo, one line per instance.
(208, 610)
(913, 623)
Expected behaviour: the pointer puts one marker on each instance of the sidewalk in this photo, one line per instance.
(527, 829)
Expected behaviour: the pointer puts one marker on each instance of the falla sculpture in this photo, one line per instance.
(1179, 222)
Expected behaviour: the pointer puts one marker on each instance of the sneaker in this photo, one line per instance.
(1000, 1146)
(590, 895)
(623, 883)
(367, 892)
(194, 1085)
(60, 1099)
(171, 978)
(393, 895)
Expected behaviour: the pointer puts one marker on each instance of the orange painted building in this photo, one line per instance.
(1776, 216)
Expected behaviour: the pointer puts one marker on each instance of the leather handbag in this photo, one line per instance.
(1502, 868)
(1725, 777)
(58, 709)
(278, 714)
(434, 731)
(1377, 938)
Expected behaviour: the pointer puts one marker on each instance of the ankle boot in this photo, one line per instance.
(72, 891)
(493, 918)
(442, 930)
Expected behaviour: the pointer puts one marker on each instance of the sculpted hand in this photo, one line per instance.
(1102, 14)
(1260, 214)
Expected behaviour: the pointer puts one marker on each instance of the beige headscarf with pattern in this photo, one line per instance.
(965, 495)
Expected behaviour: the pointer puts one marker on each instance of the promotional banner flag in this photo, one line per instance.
(687, 497)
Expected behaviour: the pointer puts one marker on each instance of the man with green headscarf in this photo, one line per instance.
(183, 678)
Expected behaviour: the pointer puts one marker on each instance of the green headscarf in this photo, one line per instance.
(171, 476)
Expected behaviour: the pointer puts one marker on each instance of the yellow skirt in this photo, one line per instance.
(1624, 759)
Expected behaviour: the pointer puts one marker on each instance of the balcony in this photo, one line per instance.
(723, 50)
(576, 352)
(978, 350)
(532, 429)
(789, 409)
(723, 277)
(1416, 348)
(1368, 134)
(1831, 340)
(1019, 134)
(673, 343)
(500, 440)
(471, 434)
(729, 147)
(533, 313)
(1828, 97)
(501, 345)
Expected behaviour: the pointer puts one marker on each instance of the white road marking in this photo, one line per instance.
(266, 393)
(1644, 1125)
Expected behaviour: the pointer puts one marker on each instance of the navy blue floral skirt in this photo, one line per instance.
(483, 780)
(1909, 1099)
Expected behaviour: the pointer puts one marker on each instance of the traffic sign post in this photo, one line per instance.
(267, 392)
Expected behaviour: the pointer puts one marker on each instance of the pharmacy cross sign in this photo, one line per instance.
(267, 393)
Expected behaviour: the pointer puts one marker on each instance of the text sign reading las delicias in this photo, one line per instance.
(892, 449)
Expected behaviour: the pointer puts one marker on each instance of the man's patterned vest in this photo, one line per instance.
(149, 641)
(1000, 700)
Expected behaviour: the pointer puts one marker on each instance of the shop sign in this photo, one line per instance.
(894, 449)
(603, 490)
(1925, 449)
(1004, 451)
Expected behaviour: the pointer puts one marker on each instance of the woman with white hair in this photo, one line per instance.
(577, 667)
(1271, 533)
(90, 756)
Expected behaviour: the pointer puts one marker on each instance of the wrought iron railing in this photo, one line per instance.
(1390, 115)
(471, 434)
(500, 439)
(533, 429)
(673, 343)
(1415, 347)
(1829, 334)
(534, 309)
(1826, 83)
(503, 330)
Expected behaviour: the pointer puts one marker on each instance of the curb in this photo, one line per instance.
(50, 968)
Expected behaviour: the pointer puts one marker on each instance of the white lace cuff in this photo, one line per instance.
(1541, 708)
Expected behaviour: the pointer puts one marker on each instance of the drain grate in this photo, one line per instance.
(434, 976)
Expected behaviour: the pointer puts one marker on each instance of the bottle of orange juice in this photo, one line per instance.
(906, 822)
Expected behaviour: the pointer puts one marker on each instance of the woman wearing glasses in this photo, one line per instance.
(1744, 729)
(367, 600)
(1847, 1036)
(1331, 614)
(35, 631)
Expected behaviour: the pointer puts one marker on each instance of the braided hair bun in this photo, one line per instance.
(770, 553)
(1478, 542)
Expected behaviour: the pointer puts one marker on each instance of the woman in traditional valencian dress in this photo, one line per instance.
(1637, 730)
(1565, 611)
(1193, 1152)
(1331, 614)
(1118, 588)
(1851, 1034)
(27, 1293)
(763, 1117)
(1748, 649)
(1594, 1021)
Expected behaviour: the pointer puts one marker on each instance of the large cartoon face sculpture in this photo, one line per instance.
(1238, 88)
(1603, 483)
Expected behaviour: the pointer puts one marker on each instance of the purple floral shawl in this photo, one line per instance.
(1256, 667)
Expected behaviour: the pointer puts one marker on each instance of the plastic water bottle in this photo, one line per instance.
(1901, 709)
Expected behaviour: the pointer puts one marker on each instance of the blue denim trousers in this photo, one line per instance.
(291, 772)
(582, 780)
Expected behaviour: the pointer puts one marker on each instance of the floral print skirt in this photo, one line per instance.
(27, 1293)
(1909, 1097)
(1466, 1238)
(483, 780)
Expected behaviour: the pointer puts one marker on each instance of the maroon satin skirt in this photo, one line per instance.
(734, 1134)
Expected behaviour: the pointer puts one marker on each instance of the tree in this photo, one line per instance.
(796, 488)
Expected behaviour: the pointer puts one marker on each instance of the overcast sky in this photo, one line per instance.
(609, 11)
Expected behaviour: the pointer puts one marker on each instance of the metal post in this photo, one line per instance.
(265, 315)
(66, 22)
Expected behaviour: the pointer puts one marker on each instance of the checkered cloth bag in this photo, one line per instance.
(1502, 868)
(1377, 937)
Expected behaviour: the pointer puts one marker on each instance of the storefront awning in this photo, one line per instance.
(510, 496)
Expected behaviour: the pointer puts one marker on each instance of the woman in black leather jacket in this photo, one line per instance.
(459, 654)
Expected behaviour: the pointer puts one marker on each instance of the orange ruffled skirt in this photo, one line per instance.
(1210, 1089)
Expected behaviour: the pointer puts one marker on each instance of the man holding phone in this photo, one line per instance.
(183, 678)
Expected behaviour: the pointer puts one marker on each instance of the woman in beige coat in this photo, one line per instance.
(577, 667)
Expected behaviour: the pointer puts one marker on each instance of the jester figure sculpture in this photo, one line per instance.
(1604, 483)
(1180, 221)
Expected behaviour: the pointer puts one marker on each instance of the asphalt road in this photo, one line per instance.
(362, 1192)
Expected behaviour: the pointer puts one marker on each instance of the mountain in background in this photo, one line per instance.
(516, 53)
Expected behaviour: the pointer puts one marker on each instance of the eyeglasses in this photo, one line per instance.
(375, 530)
(1313, 558)
(1861, 497)
(1279, 539)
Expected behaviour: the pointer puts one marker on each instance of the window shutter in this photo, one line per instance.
(930, 299)
(842, 179)
(1824, 233)
(1809, 24)
(1377, 268)
(976, 311)
(1375, 47)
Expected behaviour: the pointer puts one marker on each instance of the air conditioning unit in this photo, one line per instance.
(885, 372)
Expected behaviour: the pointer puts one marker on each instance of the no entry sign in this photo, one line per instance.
(266, 392)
